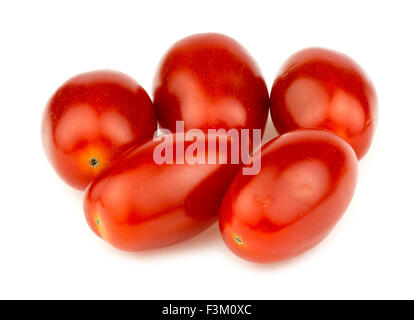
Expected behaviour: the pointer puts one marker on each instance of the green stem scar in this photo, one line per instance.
(237, 240)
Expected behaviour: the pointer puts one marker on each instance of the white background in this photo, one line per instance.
(46, 247)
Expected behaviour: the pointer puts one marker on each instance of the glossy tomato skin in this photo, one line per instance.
(137, 204)
(306, 182)
(321, 88)
(91, 118)
(210, 82)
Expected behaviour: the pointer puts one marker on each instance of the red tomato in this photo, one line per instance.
(92, 117)
(306, 182)
(210, 82)
(137, 204)
(320, 88)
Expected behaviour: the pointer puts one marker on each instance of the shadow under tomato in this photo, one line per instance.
(284, 264)
(207, 239)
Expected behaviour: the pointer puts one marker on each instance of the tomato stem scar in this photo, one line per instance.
(93, 162)
(237, 240)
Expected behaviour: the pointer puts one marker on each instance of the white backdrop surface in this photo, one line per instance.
(48, 251)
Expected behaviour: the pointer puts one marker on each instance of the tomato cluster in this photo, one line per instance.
(149, 188)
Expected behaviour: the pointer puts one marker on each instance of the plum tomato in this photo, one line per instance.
(307, 180)
(321, 88)
(139, 203)
(210, 81)
(91, 118)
